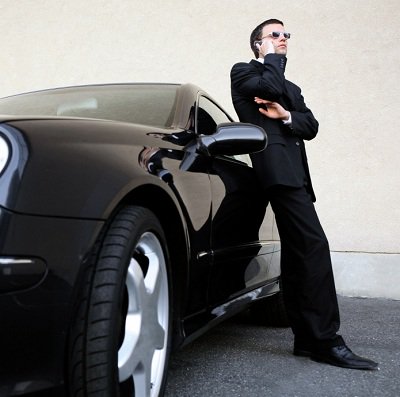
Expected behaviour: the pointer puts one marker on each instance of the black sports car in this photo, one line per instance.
(129, 224)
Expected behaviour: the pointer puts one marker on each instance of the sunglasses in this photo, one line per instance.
(276, 35)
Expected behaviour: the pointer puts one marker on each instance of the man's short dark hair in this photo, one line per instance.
(257, 32)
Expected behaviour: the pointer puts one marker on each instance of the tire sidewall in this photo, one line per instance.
(113, 257)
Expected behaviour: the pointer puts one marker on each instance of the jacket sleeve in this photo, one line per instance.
(248, 81)
(304, 124)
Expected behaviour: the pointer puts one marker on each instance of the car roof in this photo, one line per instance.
(68, 102)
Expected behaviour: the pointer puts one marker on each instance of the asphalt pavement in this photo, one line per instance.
(240, 359)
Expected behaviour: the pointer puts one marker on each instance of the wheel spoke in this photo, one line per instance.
(142, 353)
(153, 276)
(127, 360)
(142, 379)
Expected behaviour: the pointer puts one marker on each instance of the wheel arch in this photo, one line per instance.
(173, 223)
(175, 229)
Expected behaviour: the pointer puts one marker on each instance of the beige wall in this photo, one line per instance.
(344, 54)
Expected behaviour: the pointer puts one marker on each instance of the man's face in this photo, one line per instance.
(280, 43)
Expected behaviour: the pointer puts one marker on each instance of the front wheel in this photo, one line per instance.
(120, 341)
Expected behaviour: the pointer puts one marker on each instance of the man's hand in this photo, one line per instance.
(266, 47)
(273, 110)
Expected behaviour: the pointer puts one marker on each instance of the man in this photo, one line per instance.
(261, 95)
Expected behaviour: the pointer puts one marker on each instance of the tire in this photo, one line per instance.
(120, 340)
(270, 311)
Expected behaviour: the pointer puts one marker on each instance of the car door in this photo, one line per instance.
(241, 262)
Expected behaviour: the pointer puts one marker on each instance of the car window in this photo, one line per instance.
(149, 104)
(208, 116)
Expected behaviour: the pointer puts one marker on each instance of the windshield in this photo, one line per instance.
(149, 104)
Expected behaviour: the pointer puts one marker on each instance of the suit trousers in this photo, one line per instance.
(307, 278)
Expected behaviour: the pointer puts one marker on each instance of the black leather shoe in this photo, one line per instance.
(342, 356)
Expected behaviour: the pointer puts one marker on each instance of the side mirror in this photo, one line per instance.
(233, 139)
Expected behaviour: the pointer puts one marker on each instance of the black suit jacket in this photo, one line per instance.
(284, 161)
